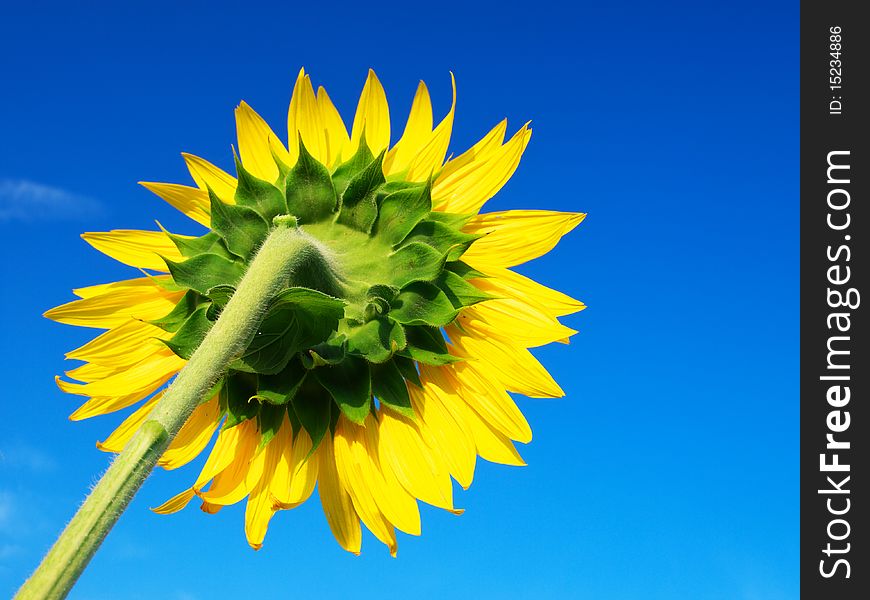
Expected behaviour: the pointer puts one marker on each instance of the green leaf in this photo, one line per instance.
(443, 238)
(414, 262)
(210, 243)
(269, 418)
(312, 406)
(389, 388)
(350, 385)
(460, 292)
(236, 395)
(349, 169)
(178, 315)
(376, 340)
(427, 345)
(297, 319)
(408, 369)
(188, 338)
(422, 303)
(401, 211)
(281, 387)
(310, 194)
(259, 195)
(359, 207)
(242, 228)
(205, 271)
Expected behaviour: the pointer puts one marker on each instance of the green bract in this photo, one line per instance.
(379, 277)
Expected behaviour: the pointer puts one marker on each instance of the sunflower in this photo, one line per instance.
(384, 367)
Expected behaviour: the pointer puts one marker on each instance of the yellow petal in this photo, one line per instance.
(149, 373)
(233, 483)
(91, 372)
(418, 468)
(513, 321)
(490, 400)
(257, 143)
(193, 436)
(140, 249)
(338, 141)
(513, 237)
(152, 284)
(297, 485)
(337, 503)
(443, 427)
(303, 119)
(507, 284)
(490, 444)
(119, 438)
(395, 502)
(372, 116)
(487, 145)
(467, 189)
(116, 307)
(357, 476)
(175, 504)
(418, 130)
(259, 509)
(514, 367)
(431, 156)
(207, 176)
(190, 201)
(122, 346)
(228, 443)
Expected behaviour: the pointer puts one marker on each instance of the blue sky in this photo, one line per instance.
(670, 469)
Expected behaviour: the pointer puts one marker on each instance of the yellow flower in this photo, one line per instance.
(384, 369)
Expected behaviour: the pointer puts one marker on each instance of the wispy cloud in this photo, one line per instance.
(26, 457)
(23, 200)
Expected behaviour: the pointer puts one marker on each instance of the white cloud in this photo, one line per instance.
(22, 200)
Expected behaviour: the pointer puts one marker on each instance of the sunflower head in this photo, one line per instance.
(383, 367)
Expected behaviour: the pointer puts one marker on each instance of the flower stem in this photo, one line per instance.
(284, 249)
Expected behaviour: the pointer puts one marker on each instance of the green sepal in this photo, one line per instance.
(376, 340)
(281, 387)
(408, 369)
(242, 228)
(388, 386)
(422, 303)
(297, 319)
(190, 335)
(312, 406)
(210, 243)
(269, 419)
(401, 211)
(236, 395)
(354, 165)
(179, 314)
(221, 294)
(310, 194)
(426, 345)
(349, 383)
(443, 238)
(261, 196)
(464, 270)
(415, 262)
(330, 352)
(453, 220)
(205, 271)
(460, 292)
(359, 207)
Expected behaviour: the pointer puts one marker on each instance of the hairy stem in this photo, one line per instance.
(285, 248)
